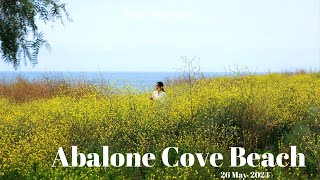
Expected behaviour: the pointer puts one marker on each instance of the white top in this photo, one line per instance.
(158, 95)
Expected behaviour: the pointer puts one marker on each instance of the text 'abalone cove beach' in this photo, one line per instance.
(160, 89)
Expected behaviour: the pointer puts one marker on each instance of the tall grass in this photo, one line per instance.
(262, 113)
(22, 90)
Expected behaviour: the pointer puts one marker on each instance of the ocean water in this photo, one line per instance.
(136, 79)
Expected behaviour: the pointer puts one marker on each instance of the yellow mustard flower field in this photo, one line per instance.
(261, 113)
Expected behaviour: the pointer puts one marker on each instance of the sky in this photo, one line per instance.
(152, 35)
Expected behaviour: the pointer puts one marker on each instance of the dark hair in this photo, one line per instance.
(160, 84)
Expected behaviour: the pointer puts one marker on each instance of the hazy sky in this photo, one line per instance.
(150, 35)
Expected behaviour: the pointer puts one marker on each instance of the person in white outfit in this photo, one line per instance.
(159, 93)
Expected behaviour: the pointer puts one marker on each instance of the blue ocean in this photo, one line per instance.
(136, 79)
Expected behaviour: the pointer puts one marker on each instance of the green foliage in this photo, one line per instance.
(19, 34)
(260, 113)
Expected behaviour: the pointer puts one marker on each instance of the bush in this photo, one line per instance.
(263, 113)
